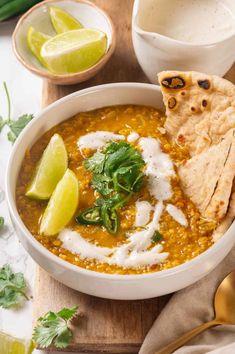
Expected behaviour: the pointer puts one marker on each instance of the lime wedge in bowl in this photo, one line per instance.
(61, 206)
(74, 51)
(35, 41)
(12, 345)
(62, 21)
(50, 169)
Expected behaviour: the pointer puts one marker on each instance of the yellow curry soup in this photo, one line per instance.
(182, 243)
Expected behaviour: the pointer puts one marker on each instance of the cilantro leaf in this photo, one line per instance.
(2, 123)
(95, 163)
(1, 221)
(16, 126)
(8, 100)
(117, 174)
(120, 155)
(53, 328)
(128, 178)
(101, 183)
(157, 236)
(68, 313)
(12, 287)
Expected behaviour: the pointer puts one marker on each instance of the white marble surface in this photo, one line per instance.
(25, 91)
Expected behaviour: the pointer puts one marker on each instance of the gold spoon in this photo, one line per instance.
(224, 304)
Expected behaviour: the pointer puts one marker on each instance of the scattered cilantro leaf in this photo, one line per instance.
(53, 328)
(12, 287)
(68, 313)
(117, 174)
(16, 126)
(2, 123)
(1, 221)
(157, 236)
(8, 101)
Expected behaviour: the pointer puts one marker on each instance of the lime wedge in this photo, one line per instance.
(12, 345)
(74, 51)
(35, 42)
(49, 170)
(62, 21)
(61, 206)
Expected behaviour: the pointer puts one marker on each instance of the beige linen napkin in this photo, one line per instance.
(189, 308)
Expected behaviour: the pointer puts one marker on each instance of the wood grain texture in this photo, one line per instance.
(106, 325)
(231, 75)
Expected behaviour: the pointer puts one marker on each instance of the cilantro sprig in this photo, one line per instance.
(15, 126)
(117, 174)
(53, 328)
(1, 222)
(12, 288)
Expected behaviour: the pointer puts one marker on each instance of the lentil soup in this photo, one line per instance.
(178, 235)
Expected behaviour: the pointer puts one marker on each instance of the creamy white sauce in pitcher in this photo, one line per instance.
(193, 21)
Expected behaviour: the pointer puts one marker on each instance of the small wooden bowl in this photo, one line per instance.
(86, 12)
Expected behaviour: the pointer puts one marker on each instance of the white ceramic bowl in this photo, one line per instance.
(111, 286)
(38, 16)
(156, 52)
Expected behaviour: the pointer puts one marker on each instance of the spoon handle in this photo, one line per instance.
(186, 337)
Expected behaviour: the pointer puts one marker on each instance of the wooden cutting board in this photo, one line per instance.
(106, 325)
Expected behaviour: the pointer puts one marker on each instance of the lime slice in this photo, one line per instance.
(12, 345)
(50, 169)
(35, 42)
(62, 21)
(61, 206)
(74, 51)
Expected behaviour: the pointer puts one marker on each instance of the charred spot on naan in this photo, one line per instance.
(193, 109)
(181, 140)
(204, 84)
(173, 82)
(172, 102)
(204, 103)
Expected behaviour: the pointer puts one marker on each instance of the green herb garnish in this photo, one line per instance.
(157, 236)
(95, 163)
(15, 126)
(117, 174)
(12, 287)
(53, 328)
(1, 221)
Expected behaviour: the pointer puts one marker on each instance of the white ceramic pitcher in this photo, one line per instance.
(156, 52)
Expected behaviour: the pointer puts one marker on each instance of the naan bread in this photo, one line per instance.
(200, 112)
(227, 221)
(207, 178)
(200, 108)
